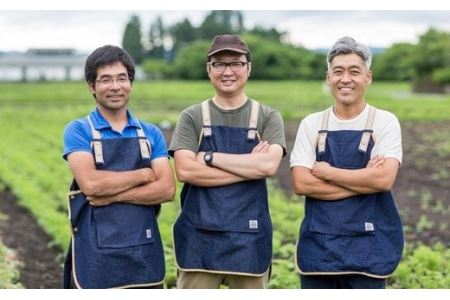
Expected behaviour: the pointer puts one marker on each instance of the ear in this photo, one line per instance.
(327, 77)
(92, 88)
(249, 69)
(369, 77)
(208, 70)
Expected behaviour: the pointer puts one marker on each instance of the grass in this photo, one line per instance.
(9, 264)
(294, 99)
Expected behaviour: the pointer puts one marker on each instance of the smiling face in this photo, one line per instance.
(348, 78)
(112, 87)
(231, 80)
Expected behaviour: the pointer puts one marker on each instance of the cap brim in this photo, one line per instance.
(227, 49)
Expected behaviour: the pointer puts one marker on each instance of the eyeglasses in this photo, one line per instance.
(235, 66)
(107, 81)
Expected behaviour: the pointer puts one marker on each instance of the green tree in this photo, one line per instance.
(433, 53)
(396, 63)
(221, 22)
(131, 40)
(156, 37)
(268, 33)
(156, 68)
(183, 33)
(190, 63)
(273, 60)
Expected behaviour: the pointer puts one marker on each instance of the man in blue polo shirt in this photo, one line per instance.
(121, 176)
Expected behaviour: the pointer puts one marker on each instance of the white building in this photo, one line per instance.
(42, 64)
(46, 65)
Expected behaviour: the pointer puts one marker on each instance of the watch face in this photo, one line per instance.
(208, 158)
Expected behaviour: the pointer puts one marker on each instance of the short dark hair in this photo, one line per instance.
(107, 55)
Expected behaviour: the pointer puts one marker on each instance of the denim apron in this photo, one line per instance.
(118, 245)
(225, 229)
(357, 235)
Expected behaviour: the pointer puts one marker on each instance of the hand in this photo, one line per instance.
(100, 201)
(321, 169)
(149, 174)
(199, 157)
(375, 162)
(262, 147)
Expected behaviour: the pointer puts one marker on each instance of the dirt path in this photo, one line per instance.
(21, 232)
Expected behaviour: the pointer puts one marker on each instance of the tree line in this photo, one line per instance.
(179, 52)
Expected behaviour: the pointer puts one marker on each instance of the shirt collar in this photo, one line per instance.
(100, 122)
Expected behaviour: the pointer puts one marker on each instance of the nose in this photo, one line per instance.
(115, 84)
(345, 77)
(228, 70)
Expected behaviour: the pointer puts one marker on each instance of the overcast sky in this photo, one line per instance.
(86, 30)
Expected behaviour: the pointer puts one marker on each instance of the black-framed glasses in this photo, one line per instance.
(107, 80)
(235, 66)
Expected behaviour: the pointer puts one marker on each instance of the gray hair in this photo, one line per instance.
(348, 45)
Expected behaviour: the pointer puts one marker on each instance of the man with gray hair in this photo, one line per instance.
(344, 161)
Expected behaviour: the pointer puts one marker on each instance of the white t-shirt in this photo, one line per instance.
(386, 134)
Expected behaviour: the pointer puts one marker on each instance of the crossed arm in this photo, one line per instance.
(329, 183)
(226, 168)
(147, 186)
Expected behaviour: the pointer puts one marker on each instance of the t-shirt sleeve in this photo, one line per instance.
(388, 142)
(76, 138)
(157, 141)
(304, 150)
(184, 135)
(273, 131)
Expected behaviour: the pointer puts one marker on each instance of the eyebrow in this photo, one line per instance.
(350, 67)
(113, 75)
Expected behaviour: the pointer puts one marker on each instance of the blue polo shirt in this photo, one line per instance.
(78, 134)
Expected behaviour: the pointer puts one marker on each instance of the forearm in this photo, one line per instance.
(107, 183)
(306, 184)
(362, 181)
(255, 165)
(322, 190)
(147, 194)
(205, 176)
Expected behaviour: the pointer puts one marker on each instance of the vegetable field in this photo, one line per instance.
(33, 116)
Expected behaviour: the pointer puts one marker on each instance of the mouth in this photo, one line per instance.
(115, 97)
(345, 89)
(228, 81)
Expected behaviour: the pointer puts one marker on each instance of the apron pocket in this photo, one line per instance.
(233, 208)
(349, 217)
(123, 225)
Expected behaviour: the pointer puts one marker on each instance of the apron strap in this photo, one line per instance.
(323, 131)
(253, 123)
(144, 145)
(206, 116)
(368, 130)
(96, 143)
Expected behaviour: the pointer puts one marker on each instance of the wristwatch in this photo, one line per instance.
(208, 157)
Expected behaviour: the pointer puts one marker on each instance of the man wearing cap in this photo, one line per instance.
(224, 149)
(345, 160)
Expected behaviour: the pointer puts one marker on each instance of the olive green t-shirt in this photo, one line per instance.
(189, 125)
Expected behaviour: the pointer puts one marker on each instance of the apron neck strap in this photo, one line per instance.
(144, 145)
(253, 123)
(96, 143)
(323, 130)
(365, 138)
